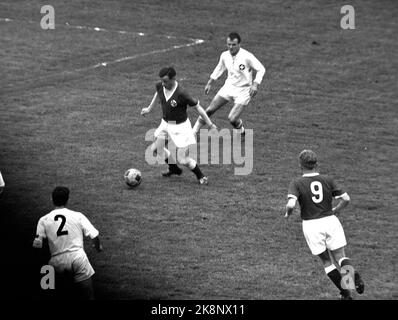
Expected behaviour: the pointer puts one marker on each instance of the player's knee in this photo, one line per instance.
(324, 256)
(181, 157)
(234, 120)
(209, 112)
(182, 160)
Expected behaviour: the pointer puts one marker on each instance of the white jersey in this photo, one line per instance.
(240, 68)
(64, 230)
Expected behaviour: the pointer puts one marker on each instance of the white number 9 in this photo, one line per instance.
(317, 191)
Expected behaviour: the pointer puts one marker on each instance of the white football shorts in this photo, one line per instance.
(324, 233)
(181, 134)
(239, 95)
(75, 262)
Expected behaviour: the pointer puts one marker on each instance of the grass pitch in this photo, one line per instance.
(62, 122)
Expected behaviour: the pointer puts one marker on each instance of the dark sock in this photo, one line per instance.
(197, 172)
(335, 276)
(238, 124)
(172, 165)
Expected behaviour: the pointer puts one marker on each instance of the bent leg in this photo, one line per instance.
(191, 164)
(354, 279)
(234, 116)
(333, 274)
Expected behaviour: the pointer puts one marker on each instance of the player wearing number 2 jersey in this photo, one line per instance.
(321, 227)
(64, 229)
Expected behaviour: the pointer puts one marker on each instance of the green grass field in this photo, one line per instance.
(65, 123)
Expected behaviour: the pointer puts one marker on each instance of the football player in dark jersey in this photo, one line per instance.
(175, 124)
(321, 227)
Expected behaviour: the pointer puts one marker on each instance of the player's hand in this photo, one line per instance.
(253, 89)
(144, 111)
(286, 216)
(207, 88)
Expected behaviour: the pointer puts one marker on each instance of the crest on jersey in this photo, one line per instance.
(173, 103)
(242, 67)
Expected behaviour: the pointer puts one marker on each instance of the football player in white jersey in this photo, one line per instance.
(239, 87)
(64, 229)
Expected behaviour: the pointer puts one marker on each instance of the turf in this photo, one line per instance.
(62, 122)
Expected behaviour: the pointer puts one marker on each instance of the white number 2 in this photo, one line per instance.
(316, 189)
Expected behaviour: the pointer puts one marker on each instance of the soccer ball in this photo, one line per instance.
(132, 177)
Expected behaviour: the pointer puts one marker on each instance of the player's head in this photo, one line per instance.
(233, 43)
(167, 75)
(60, 196)
(308, 160)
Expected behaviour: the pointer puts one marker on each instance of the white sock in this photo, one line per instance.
(190, 163)
(330, 268)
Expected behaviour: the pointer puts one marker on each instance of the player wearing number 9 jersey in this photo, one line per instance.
(64, 229)
(321, 227)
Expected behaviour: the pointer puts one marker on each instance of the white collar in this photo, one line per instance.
(169, 93)
(312, 174)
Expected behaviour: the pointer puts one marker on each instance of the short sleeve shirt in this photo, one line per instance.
(175, 108)
(315, 194)
(64, 230)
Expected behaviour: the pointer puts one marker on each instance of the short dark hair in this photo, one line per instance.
(308, 159)
(168, 71)
(234, 35)
(60, 196)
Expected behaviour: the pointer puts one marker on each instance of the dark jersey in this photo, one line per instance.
(315, 195)
(175, 109)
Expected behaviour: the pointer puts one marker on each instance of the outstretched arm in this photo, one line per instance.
(217, 72)
(148, 109)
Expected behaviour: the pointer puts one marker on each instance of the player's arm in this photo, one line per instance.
(2, 184)
(344, 200)
(40, 235)
(97, 244)
(291, 203)
(217, 72)
(292, 196)
(204, 116)
(148, 109)
(90, 231)
(256, 65)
